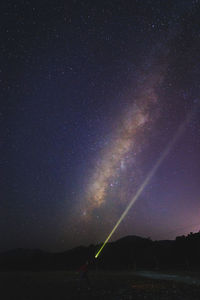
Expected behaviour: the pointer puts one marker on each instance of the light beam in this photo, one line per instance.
(147, 179)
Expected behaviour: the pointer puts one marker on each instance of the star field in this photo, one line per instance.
(91, 94)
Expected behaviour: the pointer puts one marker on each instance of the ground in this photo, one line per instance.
(104, 285)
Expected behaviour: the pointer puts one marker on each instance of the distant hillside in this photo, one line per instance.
(131, 239)
(130, 252)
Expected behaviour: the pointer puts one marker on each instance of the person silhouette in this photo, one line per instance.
(83, 274)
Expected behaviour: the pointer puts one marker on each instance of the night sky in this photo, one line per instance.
(92, 92)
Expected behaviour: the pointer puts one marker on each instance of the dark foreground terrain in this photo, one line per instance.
(104, 285)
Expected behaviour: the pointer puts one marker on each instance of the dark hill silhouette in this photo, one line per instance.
(130, 252)
(21, 252)
(131, 239)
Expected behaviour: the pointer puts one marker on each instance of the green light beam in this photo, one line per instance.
(147, 179)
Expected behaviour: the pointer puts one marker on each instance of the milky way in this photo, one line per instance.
(134, 126)
(92, 92)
